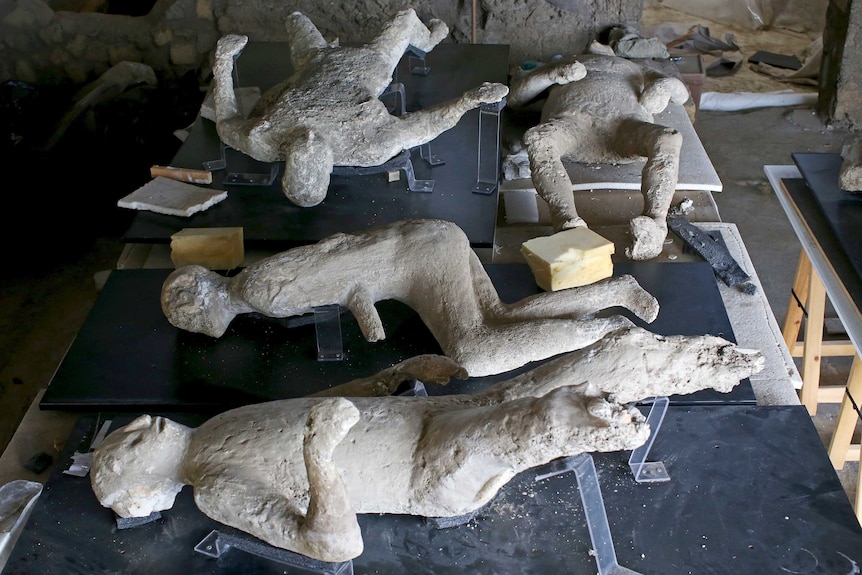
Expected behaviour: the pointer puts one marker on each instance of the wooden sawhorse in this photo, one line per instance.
(809, 297)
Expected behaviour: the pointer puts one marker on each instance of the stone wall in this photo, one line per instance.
(840, 82)
(41, 45)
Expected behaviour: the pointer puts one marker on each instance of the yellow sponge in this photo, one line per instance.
(570, 258)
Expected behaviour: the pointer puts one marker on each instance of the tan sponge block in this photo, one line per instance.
(570, 258)
(213, 248)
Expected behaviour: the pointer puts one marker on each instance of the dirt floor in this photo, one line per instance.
(667, 23)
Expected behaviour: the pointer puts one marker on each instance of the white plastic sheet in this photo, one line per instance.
(735, 101)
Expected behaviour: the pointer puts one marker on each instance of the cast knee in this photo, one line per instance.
(307, 167)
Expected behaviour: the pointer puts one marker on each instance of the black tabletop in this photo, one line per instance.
(751, 491)
(128, 357)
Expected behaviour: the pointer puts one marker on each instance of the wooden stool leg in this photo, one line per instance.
(858, 503)
(847, 417)
(793, 317)
(811, 353)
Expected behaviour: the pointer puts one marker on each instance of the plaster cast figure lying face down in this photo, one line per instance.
(425, 264)
(600, 110)
(295, 472)
(328, 112)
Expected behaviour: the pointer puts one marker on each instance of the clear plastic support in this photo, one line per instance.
(650, 471)
(218, 543)
(488, 153)
(594, 509)
(262, 178)
(430, 159)
(252, 178)
(327, 325)
(416, 61)
(416, 389)
(396, 93)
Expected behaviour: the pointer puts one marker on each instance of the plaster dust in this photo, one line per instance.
(295, 472)
(328, 113)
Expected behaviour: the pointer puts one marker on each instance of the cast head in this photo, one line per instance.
(197, 299)
(137, 469)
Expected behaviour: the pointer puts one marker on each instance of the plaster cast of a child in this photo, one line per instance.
(428, 265)
(328, 112)
(599, 109)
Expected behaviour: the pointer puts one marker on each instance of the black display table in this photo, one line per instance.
(128, 357)
(270, 221)
(751, 491)
(841, 210)
(830, 243)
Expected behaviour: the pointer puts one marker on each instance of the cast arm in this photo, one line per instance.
(427, 368)
(660, 90)
(524, 88)
(361, 305)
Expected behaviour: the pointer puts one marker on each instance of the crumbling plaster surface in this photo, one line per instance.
(39, 45)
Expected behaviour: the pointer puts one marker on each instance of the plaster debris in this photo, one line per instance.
(168, 196)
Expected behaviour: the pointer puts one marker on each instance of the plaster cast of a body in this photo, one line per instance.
(295, 472)
(599, 109)
(425, 264)
(328, 112)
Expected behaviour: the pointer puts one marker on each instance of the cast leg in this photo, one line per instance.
(330, 525)
(661, 146)
(307, 167)
(405, 30)
(227, 50)
(304, 39)
(623, 291)
(546, 146)
(633, 364)
(498, 348)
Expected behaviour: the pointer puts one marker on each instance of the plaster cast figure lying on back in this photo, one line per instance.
(599, 109)
(295, 472)
(425, 264)
(328, 112)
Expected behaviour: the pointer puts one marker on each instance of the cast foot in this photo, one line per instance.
(487, 93)
(230, 46)
(439, 30)
(576, 222)
(648, 239)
